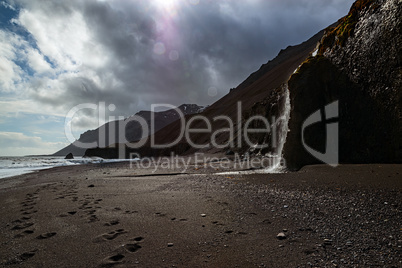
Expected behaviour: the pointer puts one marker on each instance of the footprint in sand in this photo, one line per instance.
(112, 235)
(46, 235)
(96, 202)
(23, 257)
(27, 255)
(22, 226)
(21, 219)
(111, 223)
(24, 233)
(29, 212)
(29, 200)
(132, 247)
(28, 203)
(112, 260)
(30, 196)
(138, 238)
(130, 212)
(93, 218)
(118, 257)
(109, 236)
(28, 208)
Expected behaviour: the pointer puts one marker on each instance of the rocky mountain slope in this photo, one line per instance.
(133, 131)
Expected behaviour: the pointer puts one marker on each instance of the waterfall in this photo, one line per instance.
(282, 127)
(282, 124)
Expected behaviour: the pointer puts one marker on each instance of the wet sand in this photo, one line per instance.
(116, 216)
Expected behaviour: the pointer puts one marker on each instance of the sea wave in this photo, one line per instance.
(13, 166)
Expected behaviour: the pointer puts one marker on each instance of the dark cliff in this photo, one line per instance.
(358, 64)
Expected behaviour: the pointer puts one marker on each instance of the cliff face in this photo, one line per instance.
(359, 64)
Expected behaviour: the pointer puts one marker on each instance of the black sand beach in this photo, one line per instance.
(116, 216)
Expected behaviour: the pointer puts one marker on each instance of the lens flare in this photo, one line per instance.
(159, 48)
(212, 91)
(174, 55)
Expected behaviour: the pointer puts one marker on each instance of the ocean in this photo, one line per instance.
(14, 166)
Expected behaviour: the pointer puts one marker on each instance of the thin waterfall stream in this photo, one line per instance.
(282, 125)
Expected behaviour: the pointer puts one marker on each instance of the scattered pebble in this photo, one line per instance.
(170, 245)
(203, 215)
(281, 236)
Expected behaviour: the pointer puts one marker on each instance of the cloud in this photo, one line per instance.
(14, 143)
(7, 5)
(37, 62)
(10, 72)
(59, 54)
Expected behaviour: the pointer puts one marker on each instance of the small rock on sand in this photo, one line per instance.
(281, 236)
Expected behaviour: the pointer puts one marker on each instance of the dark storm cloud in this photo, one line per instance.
(151, 55)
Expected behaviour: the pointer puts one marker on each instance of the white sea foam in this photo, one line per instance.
(14, 166)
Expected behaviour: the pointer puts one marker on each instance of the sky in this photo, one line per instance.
(121, 56)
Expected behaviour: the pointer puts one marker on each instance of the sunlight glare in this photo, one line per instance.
(165, 4)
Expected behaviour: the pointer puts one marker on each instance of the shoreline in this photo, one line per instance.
(29, 164)
(104, 215)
